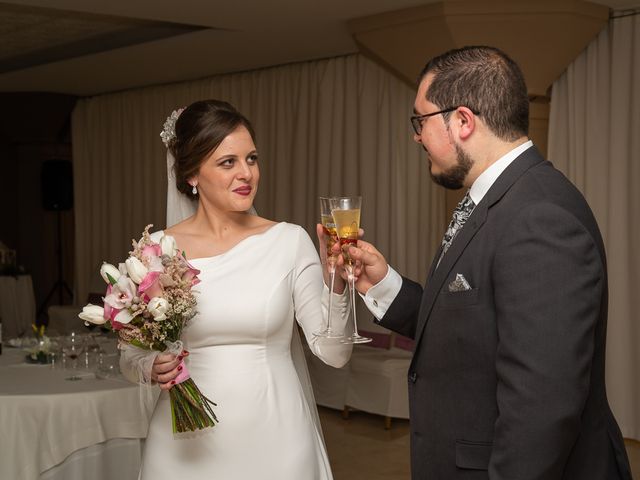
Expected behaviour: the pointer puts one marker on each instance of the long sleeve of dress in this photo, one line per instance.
(136, 364)
(311, 300)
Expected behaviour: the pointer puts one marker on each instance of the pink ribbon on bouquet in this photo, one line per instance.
(184, 374)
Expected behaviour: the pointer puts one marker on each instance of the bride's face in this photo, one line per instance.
(228, 178)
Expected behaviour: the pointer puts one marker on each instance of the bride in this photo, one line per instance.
(257, 277)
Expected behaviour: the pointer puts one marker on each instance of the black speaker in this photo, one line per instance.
(57, 185)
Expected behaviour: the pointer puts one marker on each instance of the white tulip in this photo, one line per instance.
(108, 269)
(122, 268)
(136, 270)
(93, 314)
(158, 307)
(124, 316)
(168, 245)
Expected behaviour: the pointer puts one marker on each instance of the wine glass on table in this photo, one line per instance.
(71, 349)
(331, 238)
(346, 216)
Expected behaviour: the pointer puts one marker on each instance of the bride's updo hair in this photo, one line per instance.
(200, 129)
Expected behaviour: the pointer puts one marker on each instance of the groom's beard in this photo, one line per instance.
(453, 178)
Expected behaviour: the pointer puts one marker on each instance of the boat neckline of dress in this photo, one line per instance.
(264, 232)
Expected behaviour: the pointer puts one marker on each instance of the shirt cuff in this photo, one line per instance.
(379, 297)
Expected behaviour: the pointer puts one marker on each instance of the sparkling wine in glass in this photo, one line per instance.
(346, 215)
(331, 238)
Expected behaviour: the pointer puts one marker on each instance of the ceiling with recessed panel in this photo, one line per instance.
(32, 36)
(83, 47)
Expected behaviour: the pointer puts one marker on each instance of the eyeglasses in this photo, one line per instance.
(416, 120)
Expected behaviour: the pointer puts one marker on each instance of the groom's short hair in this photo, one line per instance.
(486, 80)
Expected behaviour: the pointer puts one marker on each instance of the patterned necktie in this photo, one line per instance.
(460, 216)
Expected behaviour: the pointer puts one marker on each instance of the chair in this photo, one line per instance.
(378, 382)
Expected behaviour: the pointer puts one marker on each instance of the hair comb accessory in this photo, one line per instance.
(168, 133)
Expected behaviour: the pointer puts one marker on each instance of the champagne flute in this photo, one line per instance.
(331, 238)
(346, 216)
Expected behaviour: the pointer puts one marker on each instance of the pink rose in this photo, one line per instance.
(150, 286)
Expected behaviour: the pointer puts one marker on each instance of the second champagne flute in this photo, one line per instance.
(346, 215)
(331, 238)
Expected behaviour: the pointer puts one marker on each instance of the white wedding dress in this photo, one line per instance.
(240, 357)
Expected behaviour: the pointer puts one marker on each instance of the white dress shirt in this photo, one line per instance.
(379, 297)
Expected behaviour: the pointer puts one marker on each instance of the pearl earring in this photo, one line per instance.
(194, 190)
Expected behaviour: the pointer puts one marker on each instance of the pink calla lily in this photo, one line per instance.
(150, 286)
(110, 313)
(150, 251)
(116, 325)
(107, 308)
(191, 274)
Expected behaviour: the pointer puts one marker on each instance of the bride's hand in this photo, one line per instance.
(339, 284)
(166, 368)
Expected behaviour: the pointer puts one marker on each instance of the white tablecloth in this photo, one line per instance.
(116, 459)
(45, 418)
(17, 305)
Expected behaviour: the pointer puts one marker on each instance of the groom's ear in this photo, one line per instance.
(465, 122)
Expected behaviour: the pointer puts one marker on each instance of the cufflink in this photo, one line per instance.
(375, 303)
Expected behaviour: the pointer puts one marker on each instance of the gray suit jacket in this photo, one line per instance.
(507, 378)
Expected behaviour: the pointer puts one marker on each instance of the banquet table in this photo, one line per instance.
(59, 423)
(17, 305)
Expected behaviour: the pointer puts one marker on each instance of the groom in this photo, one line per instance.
(507, 377)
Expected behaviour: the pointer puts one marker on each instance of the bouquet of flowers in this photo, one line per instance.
(148, 302)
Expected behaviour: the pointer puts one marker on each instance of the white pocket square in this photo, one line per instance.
(460, 284)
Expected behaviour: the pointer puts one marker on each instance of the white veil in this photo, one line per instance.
(179, 207)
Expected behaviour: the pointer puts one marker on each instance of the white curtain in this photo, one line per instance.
(337, 126)
(594, 138)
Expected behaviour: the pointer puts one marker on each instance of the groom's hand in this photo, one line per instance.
(371, 266)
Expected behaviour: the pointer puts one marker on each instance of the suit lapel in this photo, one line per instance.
(434, 283)
(434, 263)
(437, 276)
